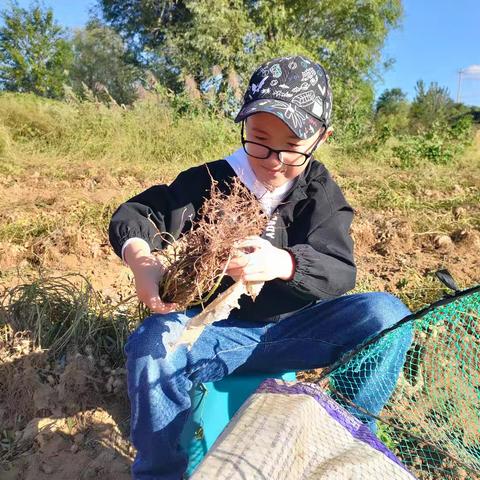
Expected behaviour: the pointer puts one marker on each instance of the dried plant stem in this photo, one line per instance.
(196, 262)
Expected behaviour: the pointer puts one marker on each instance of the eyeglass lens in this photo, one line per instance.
(261, 151)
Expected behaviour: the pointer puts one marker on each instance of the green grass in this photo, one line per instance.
(20, 231)
(384, 433)
(46, 220)
(149, 135)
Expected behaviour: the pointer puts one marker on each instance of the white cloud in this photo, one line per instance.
(472, 70)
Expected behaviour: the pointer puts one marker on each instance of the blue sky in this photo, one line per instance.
(69, 13)
(438, 38)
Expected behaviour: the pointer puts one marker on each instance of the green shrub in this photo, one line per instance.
(415, 149)
(436, 149)
(408, 152)
(462, 130)
(440, 145)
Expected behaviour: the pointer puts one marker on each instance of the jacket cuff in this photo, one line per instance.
(294, 262)
(130, 240)
(300, 268)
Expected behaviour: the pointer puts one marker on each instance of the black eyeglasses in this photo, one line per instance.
(287, 157)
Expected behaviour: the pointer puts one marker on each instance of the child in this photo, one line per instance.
(301, 319)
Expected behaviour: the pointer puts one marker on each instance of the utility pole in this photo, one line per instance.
(465, 78)
(459, 87)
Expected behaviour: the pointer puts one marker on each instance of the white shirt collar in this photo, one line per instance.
(269, 199)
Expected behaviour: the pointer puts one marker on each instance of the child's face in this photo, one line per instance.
(269, 130)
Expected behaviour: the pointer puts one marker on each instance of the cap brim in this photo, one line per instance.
(300, 122)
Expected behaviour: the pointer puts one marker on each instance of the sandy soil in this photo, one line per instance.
(76, 427)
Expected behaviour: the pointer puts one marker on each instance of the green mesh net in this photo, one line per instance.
(432, 420)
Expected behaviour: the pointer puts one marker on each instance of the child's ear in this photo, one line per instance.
(327, 134)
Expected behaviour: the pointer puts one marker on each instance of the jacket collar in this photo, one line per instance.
(299, 190)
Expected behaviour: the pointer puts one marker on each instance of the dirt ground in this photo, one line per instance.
(69, 419)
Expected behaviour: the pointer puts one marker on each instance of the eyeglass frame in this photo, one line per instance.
(278, 152)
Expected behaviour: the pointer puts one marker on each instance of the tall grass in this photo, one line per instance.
(149, 135)
(66, 313)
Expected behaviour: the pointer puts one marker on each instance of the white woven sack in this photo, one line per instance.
(296, 432)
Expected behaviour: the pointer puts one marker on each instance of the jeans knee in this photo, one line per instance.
(386, 309)
(153, 334)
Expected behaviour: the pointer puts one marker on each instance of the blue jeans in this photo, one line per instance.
(159, 383)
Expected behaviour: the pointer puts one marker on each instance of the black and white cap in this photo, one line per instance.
(295, 89)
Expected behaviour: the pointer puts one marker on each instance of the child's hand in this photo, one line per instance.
(263, 262)
(148, 272)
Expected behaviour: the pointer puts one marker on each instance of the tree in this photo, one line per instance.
(100, 61)
(189, 37)
(432, 105)
(392, 112)
(143, 23)
(34, 53)
(390, 101)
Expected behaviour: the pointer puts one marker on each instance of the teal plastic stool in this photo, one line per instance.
(213, 406)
